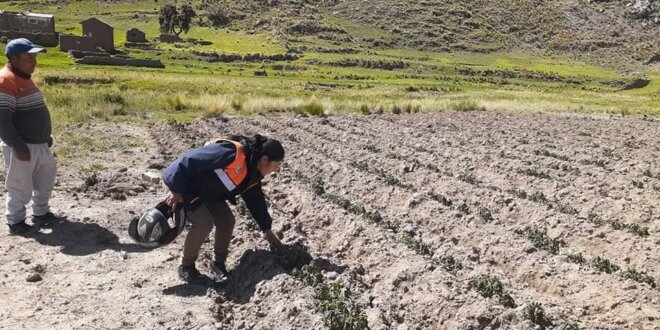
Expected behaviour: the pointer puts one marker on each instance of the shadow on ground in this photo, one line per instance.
(81, 239)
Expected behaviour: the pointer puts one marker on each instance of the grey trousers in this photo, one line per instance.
(31, 180)
(202, 220)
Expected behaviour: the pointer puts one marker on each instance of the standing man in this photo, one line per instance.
(25, 130)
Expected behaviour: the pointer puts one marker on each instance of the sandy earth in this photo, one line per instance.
(430, 176)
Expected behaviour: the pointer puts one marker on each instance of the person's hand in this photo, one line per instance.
(23, 155)
(173, 199)
(273, 240)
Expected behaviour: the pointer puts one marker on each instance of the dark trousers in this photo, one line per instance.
(202, 220)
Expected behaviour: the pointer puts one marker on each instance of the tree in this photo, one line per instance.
(174, 21)
(216, 14)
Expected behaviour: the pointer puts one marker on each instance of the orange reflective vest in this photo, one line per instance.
(233, 174)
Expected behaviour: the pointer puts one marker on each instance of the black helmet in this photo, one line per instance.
(158, 226)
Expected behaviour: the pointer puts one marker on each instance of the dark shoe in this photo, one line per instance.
(46, 219)
(22, 229)
(220, 270)
(191, 275)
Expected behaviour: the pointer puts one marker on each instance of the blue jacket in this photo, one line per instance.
(214, 172)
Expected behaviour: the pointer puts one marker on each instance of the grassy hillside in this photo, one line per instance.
(358, 56)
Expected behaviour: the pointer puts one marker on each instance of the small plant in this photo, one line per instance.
(318, 187)
(451, 264)
(237, 105)
(538, 197)
(490, 286)
(638, 230)
(360, 165)
(546, 153)
(333, 300)
(468, 178)
(485, 214)
(391, 179)
(487, 286)
(534, 313)
(372, 148)
(176, 103)
(603, 265)
(466, 105)
(113, 98)
(541, 240)
(566, 208)
(464, 208)
(568, 325)
(638, 276)
(441, 199)
(618, 225)
(596, 162)
(340, 311)
(595, 219)
(518, 193)
(638, 184)
(311, 108)
(535, 173)
(576, 258)
(340, 201)
(365, 110)
(416, 244)
(506, 300)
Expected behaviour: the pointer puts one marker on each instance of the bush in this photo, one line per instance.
(535, 314)
(176, 103)
(364, 109)
(113, 98)
(541, 240)
(311, 108)
(217, 15)
(466, 105)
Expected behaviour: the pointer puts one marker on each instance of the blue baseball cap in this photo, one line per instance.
(22, 45)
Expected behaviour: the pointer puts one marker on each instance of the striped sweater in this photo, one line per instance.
(24, 117)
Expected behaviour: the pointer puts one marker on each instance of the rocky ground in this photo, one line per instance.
(473, 220)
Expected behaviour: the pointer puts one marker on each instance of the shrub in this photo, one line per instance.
(176, 103)
(490, 286)
(576, 258)
(364, 109)
(113, 98)
(638, 276)
(217, 15)
(466, 105)
(451, 264)
(485, 214)
(416, 244)
(535, 314)
(541, 240)
(603, 265)
(311, 108)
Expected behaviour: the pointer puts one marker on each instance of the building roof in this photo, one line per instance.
(39, 15)
(26, 14)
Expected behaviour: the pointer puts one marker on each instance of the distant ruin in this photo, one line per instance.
(135, 35)
(96, 34)
(38, 28)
